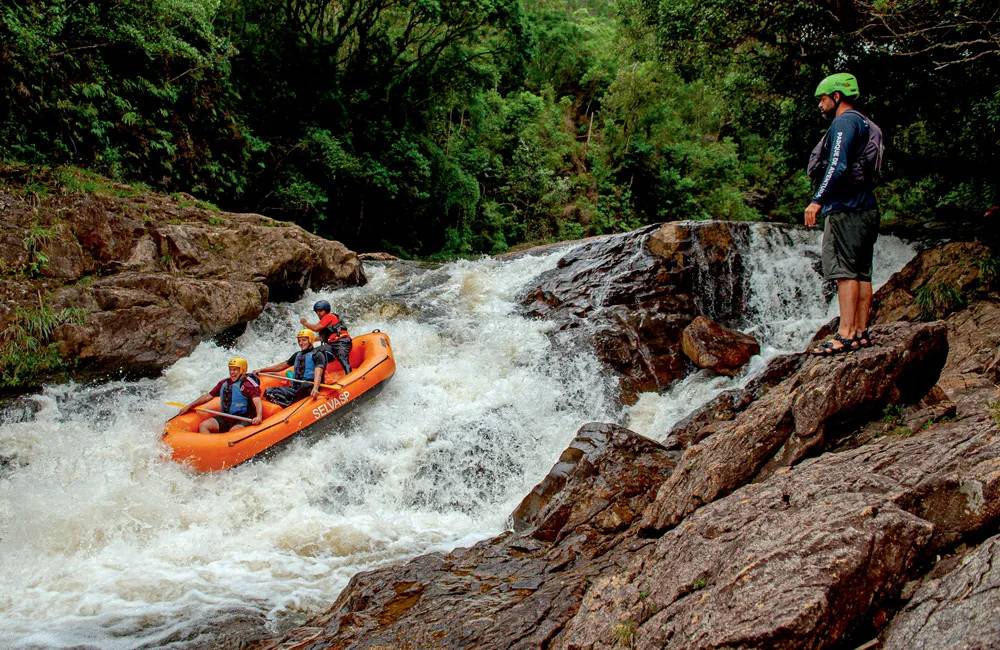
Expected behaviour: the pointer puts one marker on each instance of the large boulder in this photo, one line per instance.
(811, 408)
(717, 348)
(811, 557)
(632, 295)
(151, 276)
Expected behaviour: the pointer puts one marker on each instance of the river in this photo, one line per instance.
(106, 544)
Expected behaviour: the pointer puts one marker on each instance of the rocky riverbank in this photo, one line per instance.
(100, 277)
(833, 502)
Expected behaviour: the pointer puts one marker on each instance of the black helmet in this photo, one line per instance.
(322, 305)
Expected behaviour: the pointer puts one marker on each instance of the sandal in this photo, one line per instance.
(864, 340)
(828, 349)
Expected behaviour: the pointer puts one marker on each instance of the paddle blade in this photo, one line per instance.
(179, 405)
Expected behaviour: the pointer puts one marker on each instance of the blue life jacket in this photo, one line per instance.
(304, 365)
(234, 402)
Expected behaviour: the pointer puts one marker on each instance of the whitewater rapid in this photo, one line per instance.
(105, 544)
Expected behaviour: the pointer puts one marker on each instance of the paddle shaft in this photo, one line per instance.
(300, 381)
(204, 410)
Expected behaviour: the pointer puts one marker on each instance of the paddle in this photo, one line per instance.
(181, 405)
(300, 381)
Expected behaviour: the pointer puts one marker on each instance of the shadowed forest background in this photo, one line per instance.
(452, 127)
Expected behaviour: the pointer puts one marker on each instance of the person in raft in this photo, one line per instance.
(336, 342)
(308, 364)
(240, 397)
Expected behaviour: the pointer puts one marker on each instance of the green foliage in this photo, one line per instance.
(36, 239)
(892, 414)
(994, 408)
(989, 271)
(459, 127)
(26, 349)
(936, 300)
(624, 634)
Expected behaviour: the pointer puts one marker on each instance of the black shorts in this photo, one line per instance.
(225, 424)
(849, 244)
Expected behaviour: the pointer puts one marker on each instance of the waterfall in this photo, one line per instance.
(785, 301)
(106, 544)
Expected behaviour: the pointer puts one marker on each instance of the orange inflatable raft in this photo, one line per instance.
(372, 363)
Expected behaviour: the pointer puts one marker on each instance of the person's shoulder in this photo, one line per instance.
(852, 118)
(328, 319)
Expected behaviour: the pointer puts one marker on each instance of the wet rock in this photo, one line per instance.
(825, 399)
(632, 295)
(516, 590)
(932, 285)
(155, 275)
(805, 558)
(720, 349)
(958, 610)
(601, 478)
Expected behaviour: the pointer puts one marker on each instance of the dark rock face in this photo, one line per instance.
(963, 604)
(633, 294)
(156, 276)
(513, 590)
(824, 399)
(720, 349)
(801, 559)
(602, 480)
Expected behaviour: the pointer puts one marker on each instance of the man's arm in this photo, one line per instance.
(259, 410)
(841, 137)
(278, 367)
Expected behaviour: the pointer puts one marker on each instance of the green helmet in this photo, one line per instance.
(844, 82)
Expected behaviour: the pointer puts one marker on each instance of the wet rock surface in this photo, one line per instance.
(154, 275)
(958, 609)
(720, 349)
(632, 295)
(785, 547)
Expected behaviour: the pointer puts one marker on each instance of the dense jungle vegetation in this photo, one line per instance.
(449, 127)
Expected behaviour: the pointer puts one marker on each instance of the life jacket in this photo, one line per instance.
(304, 365)
(335, 331)
(866, 169)
(235, 402)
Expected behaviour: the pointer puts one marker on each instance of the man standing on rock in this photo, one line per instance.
(844, 169)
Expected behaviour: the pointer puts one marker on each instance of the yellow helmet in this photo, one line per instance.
(239, 362)
(306, 333)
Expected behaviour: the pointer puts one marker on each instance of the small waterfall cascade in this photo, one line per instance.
(781, 299)
(105, 544)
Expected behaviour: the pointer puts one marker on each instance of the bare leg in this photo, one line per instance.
(211, 425)
(864, 307)
(848, 296)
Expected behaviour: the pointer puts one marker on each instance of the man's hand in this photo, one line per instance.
(315, 390)
(303, 321)
(812, 211)
(256, 419)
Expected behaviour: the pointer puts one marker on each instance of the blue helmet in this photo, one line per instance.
(322, 305)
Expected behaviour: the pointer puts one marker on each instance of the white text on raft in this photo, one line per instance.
(329, 406)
